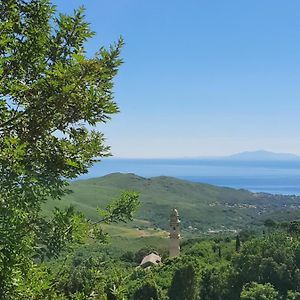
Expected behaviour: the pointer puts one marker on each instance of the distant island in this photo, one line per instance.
(257, 155)
(262, 155)
(258, 171)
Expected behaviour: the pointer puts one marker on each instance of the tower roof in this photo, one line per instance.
(175, 212)
(174, 218)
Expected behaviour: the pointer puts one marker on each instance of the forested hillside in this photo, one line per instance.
(265, 267)
(203, 208)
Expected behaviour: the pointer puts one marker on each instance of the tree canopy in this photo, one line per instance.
(51, 96)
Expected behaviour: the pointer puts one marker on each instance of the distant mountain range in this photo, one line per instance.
(262, 155)
(256, 164)
(258, 155)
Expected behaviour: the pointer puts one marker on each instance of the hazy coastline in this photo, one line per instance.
(270, 176)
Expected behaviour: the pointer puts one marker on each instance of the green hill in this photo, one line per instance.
(203, 208)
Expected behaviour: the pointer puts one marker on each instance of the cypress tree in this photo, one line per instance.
(237, 243)
(220, 252)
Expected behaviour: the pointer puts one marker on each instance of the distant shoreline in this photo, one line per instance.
(275, 177)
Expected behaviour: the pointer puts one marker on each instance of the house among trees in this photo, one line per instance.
(150, 260)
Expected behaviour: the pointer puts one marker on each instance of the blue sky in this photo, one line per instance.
(201, 78)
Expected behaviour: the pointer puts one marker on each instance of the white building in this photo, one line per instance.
(150, 260)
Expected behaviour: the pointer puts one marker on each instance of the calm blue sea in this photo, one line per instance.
(276, 177)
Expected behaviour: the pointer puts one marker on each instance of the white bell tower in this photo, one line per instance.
(174, 249)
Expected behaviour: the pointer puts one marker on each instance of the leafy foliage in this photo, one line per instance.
(256, 291)
(51, 96)
(197, 274)
(147, 291)
(292, 295)
(217, 282)
(121, 210)
(184, 284)
(273, 260)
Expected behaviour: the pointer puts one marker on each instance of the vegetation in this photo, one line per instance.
(229, 210)
(51, 95)
(184, 284)
(147, 291)
(256, 291)
(266, 267)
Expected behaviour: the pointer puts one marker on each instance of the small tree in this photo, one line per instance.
(237, 243)
(184, 284)
(293, 295)
(294, 228)
(257, 291)
(217, 282)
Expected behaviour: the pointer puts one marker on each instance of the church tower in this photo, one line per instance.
(174, 249)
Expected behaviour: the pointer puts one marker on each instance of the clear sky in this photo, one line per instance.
(201, 78)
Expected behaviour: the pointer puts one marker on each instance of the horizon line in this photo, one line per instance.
(204, 156)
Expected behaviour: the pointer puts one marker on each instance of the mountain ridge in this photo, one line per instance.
(256, 154)
(202, 206)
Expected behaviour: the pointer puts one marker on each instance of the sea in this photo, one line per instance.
(275, 177)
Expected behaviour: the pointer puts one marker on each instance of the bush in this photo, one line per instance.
(257, 291)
